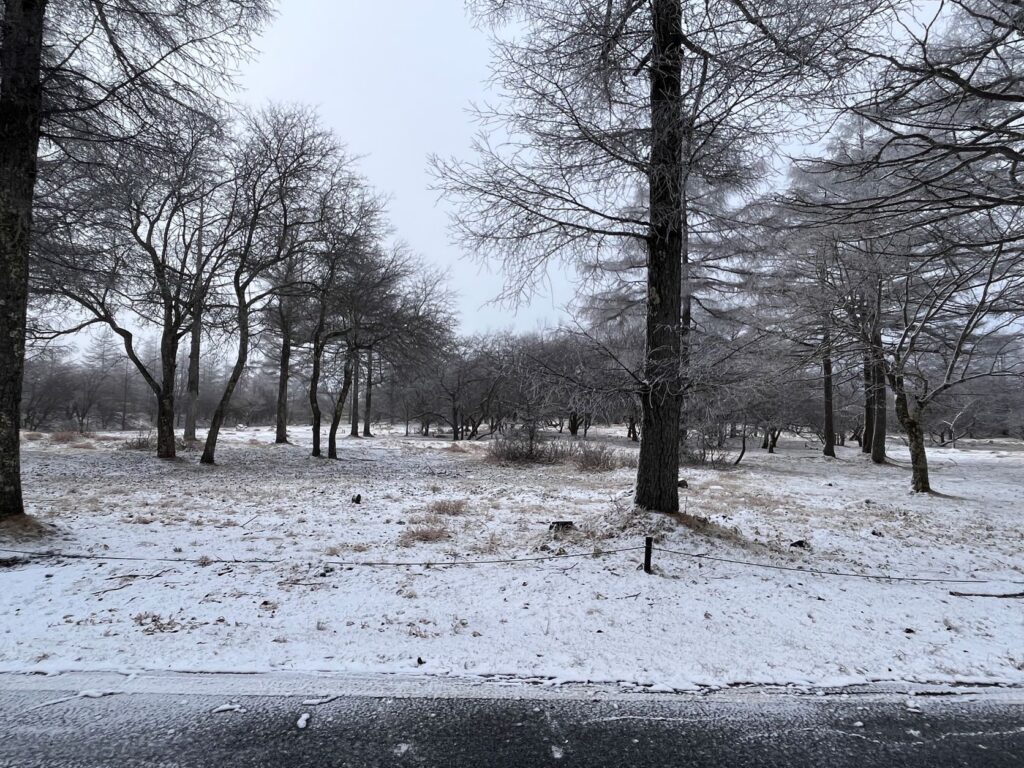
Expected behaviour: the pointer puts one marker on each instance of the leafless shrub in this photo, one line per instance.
(143, 441)
(518, 447)
(591, 457)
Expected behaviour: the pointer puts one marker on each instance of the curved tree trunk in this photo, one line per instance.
(210, 448)
(20, 110)
(314, 393)
(339, 406)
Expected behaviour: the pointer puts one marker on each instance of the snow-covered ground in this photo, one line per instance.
(305, 598)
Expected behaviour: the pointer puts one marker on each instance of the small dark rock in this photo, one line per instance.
(357, 498)
(420, 662)
(801, 544)
(561, 525)
(683, 484)
(875, 532)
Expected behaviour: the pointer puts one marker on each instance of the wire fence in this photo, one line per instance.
(458, 561)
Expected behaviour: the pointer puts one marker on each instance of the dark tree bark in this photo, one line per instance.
(878, 417)
(165, 444)
(314, 394)
(869, 407)
(339, 406)
(830, 424)
(20, 115)
(281, 410)
(217, 421)
(195, 337)
(660, 396)
(910, 420)
(369, 393)
(574, 423)
(354, 432)
(195, 345)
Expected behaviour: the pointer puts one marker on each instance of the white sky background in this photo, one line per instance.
(393, 79)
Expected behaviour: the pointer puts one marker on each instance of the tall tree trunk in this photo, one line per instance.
(210, 448)
(354, 431)
(830, 424)
(165, 446)
(910, 420)
(660, 396)
(282, 383)
(314, 392)
(869, 406)
(20, 111)
(879, 415)
(192, 406)
(369, 393)
(195, 335)
(339, 406)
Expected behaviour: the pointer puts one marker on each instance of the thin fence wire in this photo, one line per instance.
(456, 562)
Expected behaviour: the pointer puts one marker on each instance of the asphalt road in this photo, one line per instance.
(56, 728)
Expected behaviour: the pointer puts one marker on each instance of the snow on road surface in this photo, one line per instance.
(182, 599)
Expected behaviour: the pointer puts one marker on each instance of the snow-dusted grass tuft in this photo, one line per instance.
(448, 507)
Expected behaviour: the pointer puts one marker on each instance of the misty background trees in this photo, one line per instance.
(787, 216)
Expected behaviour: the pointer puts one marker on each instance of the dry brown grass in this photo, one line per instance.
(86, 446)
(450, 507)
(24, 528)
(425, 533)
(457, 448)
(64, 437)
(33, 436)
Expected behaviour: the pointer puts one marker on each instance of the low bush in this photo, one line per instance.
(517, 448)
(64, 437)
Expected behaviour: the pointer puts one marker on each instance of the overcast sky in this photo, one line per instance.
(393, 80)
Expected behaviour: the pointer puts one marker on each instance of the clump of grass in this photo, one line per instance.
(457, 448)
(33, 436)
(86, 445)
(424, 533)
(450, 507)
(63, 437)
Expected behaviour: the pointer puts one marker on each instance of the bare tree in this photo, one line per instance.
(77, 68)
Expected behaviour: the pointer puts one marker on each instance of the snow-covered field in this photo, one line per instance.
(262, 564)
